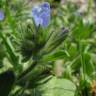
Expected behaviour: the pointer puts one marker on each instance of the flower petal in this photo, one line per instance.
(41, 14)
(45, 19)
(45, 5)
(1, 15)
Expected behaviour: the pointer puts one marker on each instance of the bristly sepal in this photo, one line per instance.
(35, 42)
(56, 38)
(32, 40)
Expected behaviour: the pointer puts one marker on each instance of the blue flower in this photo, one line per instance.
(1, 15)
(41, 14)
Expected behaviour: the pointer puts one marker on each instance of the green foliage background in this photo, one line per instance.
(56, 61)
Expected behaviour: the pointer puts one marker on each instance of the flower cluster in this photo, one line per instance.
(41, 14)
(1, 15)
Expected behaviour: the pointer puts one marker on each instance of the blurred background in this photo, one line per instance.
(59, 60)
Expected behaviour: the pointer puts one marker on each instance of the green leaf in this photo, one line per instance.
(54, 56)
(58, 87)
(10, 49)
(89, 67)
(82, 30)
(2, 54)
